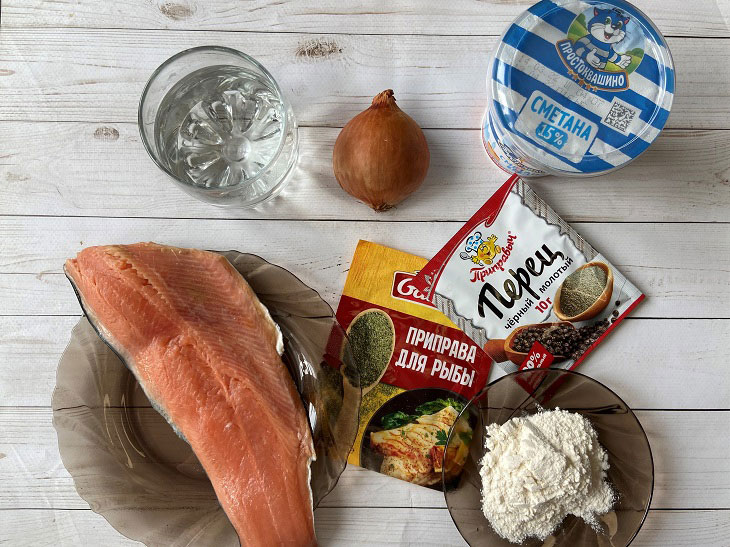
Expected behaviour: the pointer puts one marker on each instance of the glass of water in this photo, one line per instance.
(215, 121)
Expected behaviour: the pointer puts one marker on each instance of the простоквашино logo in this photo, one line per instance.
(602, 51)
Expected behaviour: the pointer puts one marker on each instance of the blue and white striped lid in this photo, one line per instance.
(581, 87)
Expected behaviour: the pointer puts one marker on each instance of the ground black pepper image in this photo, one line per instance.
(582, 289)
(585, 293)
(372, 340)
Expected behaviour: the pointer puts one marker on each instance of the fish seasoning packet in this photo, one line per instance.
(417, 370)
(576, 88)
(524, 285)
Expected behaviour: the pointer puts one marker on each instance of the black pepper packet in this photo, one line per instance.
(525, 286)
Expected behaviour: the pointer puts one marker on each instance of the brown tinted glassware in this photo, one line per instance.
(526, 392)
(130, 466)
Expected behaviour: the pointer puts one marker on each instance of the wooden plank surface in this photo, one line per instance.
(60, 528)
(52, 74)
(34, 477)
(458, 17)
(338, 526)
(31, 346)
(106, 172)
(701, 292)
(693, 280)
(343, 527)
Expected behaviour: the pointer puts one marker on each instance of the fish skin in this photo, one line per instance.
(195, 335)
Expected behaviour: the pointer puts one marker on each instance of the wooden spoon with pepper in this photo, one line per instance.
(501, 350)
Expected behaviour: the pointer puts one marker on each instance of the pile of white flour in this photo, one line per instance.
(540, 469)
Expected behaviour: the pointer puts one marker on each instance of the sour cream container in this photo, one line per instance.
(576, 88)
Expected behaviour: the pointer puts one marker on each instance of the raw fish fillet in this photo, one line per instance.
(207, 354)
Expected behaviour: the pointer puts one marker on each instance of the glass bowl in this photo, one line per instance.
(130, 466)
(523, 393)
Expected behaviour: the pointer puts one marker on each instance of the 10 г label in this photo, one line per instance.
(551, 135)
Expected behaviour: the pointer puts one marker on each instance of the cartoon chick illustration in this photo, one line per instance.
(484, 250)
(487, 250)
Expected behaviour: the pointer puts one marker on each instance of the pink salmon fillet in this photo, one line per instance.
(206, 353)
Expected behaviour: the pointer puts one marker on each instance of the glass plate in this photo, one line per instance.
(130, 466)
(522, 393)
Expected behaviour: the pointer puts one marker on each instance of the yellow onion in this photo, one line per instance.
(381, 155)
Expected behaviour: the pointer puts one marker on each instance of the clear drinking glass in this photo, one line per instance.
(217, 123)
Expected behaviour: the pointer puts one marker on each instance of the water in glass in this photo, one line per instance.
(219, 126)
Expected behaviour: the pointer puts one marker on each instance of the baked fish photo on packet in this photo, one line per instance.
(524, 285)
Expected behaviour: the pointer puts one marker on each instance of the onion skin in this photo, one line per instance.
(381, 156)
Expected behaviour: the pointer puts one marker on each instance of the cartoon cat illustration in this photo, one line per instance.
(605, 30)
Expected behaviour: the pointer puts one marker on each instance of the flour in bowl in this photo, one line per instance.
(538, 470)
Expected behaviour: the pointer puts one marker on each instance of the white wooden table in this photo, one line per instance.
(73, 173)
